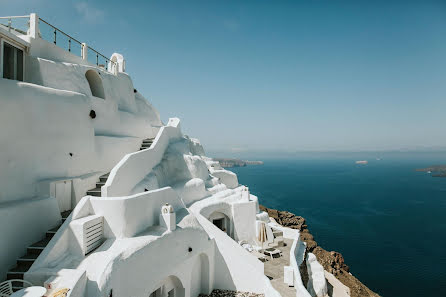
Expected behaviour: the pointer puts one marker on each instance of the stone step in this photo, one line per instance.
(103, 178)
(66, 214)
(28, 258)
(94, 192)
(100, 184)
(50, 233)
(147, 141)
(19, 270)
(37, 248)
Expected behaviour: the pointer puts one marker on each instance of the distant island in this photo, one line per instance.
(436, 170)
(228, 163)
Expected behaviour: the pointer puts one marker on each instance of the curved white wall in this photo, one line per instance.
(134, 167)
(143, 270)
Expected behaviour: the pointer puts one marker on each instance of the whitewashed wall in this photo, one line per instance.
(134, 167)
(42, 123)
(127, 216)
(235, 268)
(143, 270)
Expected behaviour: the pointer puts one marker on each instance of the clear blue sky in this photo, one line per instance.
(277, 75)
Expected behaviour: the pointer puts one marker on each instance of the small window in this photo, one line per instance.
(12, 62)
(95, 82)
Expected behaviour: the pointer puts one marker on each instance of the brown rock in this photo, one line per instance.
(332, 262)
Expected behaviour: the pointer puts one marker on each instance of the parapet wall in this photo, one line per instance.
(134, 167)
(128, 216)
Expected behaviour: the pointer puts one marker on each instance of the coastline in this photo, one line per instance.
(231, 162)
(333, 262)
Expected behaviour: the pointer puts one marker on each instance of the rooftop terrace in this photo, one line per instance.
(36, 27)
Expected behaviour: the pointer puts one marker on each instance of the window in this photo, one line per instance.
(95, 82)
(12, 62)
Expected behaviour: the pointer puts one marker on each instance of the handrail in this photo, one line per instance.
(60, 31)
(9, 25)
(99, 54)
(15, 17)
(84, 48)
(70, 38)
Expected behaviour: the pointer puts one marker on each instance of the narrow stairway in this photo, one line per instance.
(33, 251)
(146, 143)
(97, 191)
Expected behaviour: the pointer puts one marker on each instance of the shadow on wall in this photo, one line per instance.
(200, 276)
(223, 277)
(33, 74)
(92, 287)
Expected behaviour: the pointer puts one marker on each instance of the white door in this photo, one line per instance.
(63, 195)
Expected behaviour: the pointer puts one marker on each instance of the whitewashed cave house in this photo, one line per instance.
(100, 197)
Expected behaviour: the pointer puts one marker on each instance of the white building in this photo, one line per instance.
(98, 196)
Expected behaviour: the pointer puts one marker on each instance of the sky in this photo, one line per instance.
(277, 76)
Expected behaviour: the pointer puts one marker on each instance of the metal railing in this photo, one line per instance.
(19, 24)
(66, 41)
(53, 34)
(98, 58)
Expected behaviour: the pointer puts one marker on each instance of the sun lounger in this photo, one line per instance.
(271, 252)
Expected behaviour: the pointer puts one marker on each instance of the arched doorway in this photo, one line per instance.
(171, 287)
(222, 221)
(200, 276)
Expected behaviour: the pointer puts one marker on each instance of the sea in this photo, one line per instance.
(387, 219)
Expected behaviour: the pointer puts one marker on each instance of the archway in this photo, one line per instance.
(222, 221)
(170, 287)
(95, 82)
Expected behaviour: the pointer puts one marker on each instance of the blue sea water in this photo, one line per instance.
(387, 220)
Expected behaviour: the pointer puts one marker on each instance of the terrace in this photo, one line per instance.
(36, 27)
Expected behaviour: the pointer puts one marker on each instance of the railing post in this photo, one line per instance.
(34, 25)
(84, 53)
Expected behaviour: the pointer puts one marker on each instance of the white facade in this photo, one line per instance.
(169, 218)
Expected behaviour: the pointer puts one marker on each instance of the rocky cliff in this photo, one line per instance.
(228, 163)
(332, 262)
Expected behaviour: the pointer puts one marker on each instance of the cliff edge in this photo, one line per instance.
(332, 262)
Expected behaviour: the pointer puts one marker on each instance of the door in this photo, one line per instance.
(63, 195)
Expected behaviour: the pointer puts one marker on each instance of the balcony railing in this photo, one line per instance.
(21, 25)
(58, 37)
(18, 24)
(52, 34)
